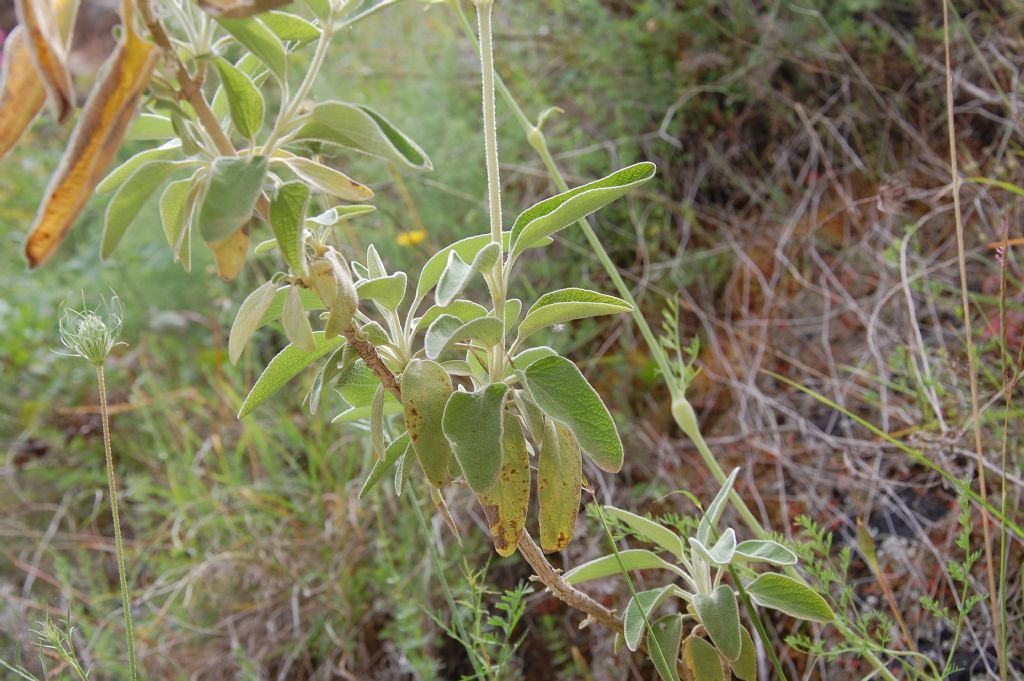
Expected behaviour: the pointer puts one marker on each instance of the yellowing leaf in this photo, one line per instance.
(97, 136)
(229, 254)
(507, 500)
(47, 51)
(22, 94)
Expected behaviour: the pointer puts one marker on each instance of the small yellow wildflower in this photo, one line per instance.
(411, 238)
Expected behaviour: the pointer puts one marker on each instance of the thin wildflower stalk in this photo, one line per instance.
(91, 335)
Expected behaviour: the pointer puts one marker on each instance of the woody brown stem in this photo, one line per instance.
(191, 87)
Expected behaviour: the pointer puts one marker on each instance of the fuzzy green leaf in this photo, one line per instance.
(643, 605)
(287, 26)
(389, 291)
(465, 310)
(326, 179)
(447, 330)
(287, 220)
(632, 559)
(426, 387)
(559, 388)
(121, 173)
(765, 551)
(296, 322)
(130, 197)
(250, 312)
(668, 632)
(260, 40)
(558, 212)
(361, 129)
(392, 454)
(472, 423)
(244, 99)
(651, 531)
(790, 596)
(721, 618)
(234, 187)
(177, 205)
(457, 273)
(745, 668)
(566, 305)
(714, 511)
(285, 366)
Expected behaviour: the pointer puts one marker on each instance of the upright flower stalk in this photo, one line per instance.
(91, 335)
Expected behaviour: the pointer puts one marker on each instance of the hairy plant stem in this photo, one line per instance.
(996, 610)
(129, 630)
(496, 280)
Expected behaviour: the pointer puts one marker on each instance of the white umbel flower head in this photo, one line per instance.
(91, 334)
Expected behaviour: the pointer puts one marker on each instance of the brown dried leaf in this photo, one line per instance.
(240, 9)
(95, 140)
(21, 93)
(47, 50)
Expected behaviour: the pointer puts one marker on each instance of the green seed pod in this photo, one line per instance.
(426, 387)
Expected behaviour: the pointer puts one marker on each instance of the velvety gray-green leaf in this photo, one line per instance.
(558, 212)
(605, 566)
(457, 274)
(721, 618)
(129, 199)
(288, 26)
(785, 594)
(464, 310)
(115, 177)
(426, 387)
(285, 366)
(244, 99)
(765, 551)
(643, 605)
(247, 320)
(296, 322)
(392, 454)
(527, 357)
(448, 330)
(559, 388)
(361, 129)
(473, 425)
(668, 632)
(260, 40)
(176, 208)
(234, 187)
(566, 305)
(714, 511)
(723, 549)
(326, 179)
(649, 530)
(388, 291)
(745, 668)
(287, 220)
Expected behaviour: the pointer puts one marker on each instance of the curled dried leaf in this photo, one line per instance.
(21, 94)
(95, 140)
(47, 51)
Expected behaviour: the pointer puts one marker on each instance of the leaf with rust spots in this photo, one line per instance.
(229, 254)
(507, 500)
(426, 387)
(47, 51)
(97, 136)
(559, 485)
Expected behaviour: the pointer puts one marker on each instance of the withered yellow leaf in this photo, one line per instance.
(95, 140)
(47, 51)
(229, 254)
(21, 94)
(240, 9)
